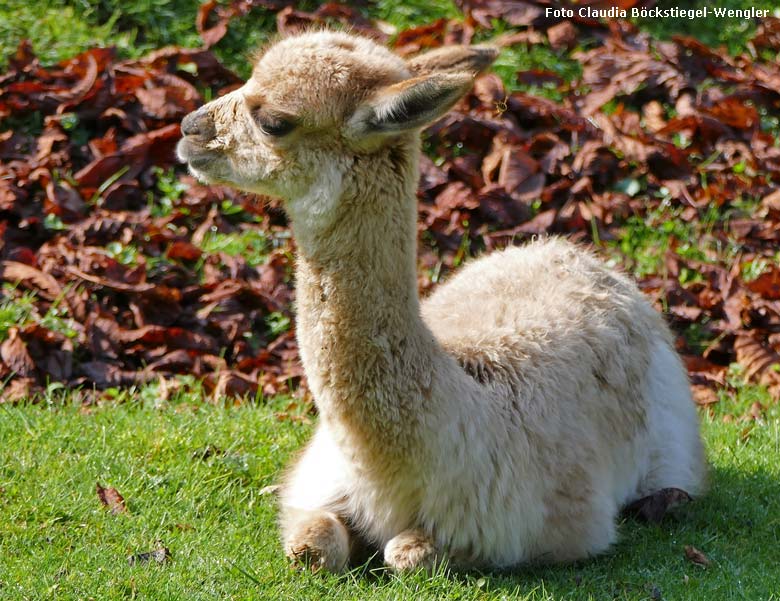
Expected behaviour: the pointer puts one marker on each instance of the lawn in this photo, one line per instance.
(193, 466)
(192, 476)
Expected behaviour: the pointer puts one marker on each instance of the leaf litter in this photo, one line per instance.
(110, 235)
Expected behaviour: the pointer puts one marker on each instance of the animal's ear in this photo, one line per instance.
(449, 59)
(408, 105)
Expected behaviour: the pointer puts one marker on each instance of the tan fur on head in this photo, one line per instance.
(336, 92)
(505, 419)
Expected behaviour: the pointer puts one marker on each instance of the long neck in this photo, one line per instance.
(366, 351)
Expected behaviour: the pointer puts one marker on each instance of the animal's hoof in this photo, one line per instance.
(319, 543)
(409, 551)
(654, 507)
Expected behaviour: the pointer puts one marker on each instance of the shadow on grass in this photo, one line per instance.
(736, 524)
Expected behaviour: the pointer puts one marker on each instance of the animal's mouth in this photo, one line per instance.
(191, 150)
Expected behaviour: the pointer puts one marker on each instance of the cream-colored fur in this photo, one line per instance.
(506, 419)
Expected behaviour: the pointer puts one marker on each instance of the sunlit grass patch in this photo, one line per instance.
(250, 243)
(192, 475)
(645, 239)
(19, 308)
(530, 57)
(731, 33)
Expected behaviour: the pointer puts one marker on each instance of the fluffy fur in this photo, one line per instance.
(507, 418)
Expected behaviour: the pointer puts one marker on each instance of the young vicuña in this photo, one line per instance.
(505, 419)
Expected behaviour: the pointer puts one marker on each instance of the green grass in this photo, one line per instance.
(58, 542)
(529, 57)
(411, 13)
(732, 33)
(250, 243)
(59, 29)
(18, 309)
(645, 239)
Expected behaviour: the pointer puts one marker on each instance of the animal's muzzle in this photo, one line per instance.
(199, 123)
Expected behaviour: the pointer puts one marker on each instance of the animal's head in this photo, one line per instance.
(314, 102)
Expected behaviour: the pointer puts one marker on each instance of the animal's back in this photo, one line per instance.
(565, 348)
(547, 310)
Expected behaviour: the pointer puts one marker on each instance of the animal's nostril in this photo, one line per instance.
(198, 123)
(189, 125)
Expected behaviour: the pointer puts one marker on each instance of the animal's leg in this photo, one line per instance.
(315, 539)
(410, 550)
(676, 453)
(312, 503)
(655, 506)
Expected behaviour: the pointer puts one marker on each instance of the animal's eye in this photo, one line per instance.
(275, 126)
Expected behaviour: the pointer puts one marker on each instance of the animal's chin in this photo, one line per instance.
(191, 148)
(205, 164)
(204, 170)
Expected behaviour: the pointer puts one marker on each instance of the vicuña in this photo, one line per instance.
(507, 418)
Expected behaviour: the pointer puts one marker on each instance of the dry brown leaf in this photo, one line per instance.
(695, 556)
(745, 434)
(111, 499)
(767, 284)
(562, 35)
(762, 365)
(43, 283)
(161, 554)
(704, 395)
(756, 411)
(771, 202)
(768, 33)
(14, 353)
(271, 489)
(184, 251)
(18, 389)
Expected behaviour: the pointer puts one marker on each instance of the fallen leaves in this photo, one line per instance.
(98, 222)
(115, 503)
(28, 276)
(761, 364)
(111, 125)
